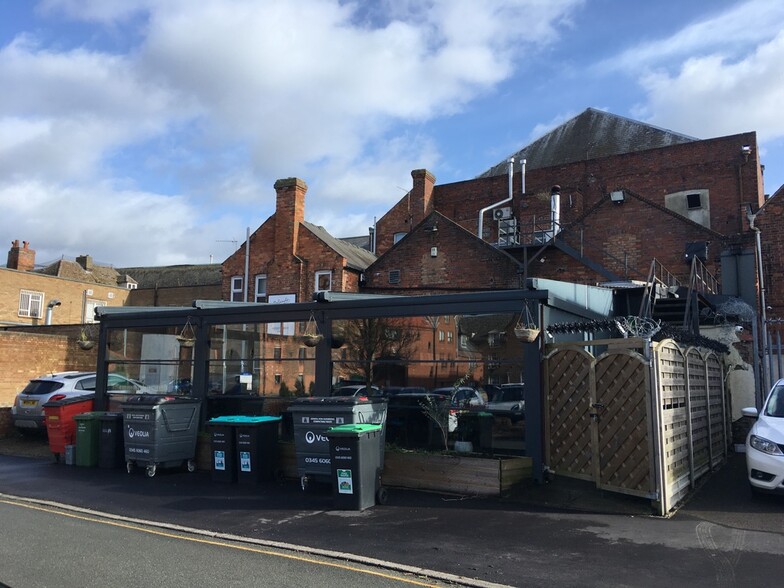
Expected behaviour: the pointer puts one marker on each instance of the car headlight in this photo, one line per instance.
(765, 445)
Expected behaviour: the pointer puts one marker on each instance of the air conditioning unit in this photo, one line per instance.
(502, 213)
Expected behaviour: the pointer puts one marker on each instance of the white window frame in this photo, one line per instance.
(237, 289)
(31, 304)
(319, 275)
(396, 237)
(259, 294)
(89, 309)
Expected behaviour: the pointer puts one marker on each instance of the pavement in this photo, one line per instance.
(563, 533)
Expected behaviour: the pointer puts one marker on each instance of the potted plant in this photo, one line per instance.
(187, 337)
(311, 337)
(526, 329)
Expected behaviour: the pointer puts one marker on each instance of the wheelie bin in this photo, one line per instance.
(256, 439)
(312, 416)
(111, 452)
(60, 424)
(355, 452)
(87, 438)
(160, 431)
(223, 448)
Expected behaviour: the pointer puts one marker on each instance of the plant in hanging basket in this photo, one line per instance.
(312, 339)
(186, 341)
(187, 337)
(85, 340)
(526, 333)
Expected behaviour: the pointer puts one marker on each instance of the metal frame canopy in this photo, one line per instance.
(329, 307)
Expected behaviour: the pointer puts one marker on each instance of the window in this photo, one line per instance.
(323, 281)
(440, 335)
(693, 201)
(89, 309)
(277, 378)
(398, 236)
(31, 303)
(302, 353)
(276, 354)
(494, 339)
(237, 289)
(261, 288)
(449, 336)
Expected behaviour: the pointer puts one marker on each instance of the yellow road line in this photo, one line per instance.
(216, 543)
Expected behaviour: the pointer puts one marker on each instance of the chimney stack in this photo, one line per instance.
(86, 261)
(21, 258)
(289, 213)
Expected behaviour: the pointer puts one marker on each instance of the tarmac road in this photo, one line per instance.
(560, 535)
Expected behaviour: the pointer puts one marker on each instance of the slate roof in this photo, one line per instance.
(172, 276)
(591, 134)
(356, 257)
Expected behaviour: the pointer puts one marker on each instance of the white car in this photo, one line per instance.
(27, 413)
(508, 401)
(765, 443)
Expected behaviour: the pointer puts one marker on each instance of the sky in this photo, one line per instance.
(151, 132)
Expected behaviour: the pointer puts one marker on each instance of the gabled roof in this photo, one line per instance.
(591, 134)
(71, 270)
(356, 257)
(172, 276)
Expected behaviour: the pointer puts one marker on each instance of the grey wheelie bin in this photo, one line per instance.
(160, 431)
(355, 453)
(312, 416)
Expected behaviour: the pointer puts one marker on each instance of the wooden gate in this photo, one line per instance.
(639, 426)
(597, 418)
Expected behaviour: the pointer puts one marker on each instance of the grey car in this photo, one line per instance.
(27, 413)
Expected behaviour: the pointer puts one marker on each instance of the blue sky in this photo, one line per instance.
(151, 132)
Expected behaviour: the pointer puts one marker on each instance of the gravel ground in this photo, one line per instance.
(30, 445)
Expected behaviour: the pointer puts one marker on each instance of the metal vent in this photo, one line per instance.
(394, 276)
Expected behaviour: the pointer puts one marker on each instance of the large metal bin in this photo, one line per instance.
(312, 416)
(160, 431)
(60, 423)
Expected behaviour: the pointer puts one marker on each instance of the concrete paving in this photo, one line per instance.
(563, 533)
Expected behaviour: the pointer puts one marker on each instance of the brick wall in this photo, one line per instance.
(24, 356)
(71, 294)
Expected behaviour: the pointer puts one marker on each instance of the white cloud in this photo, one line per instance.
(710, 96)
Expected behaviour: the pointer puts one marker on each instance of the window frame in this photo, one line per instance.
(235, 289)
(27, 310)
(258, 295)
(321, 274)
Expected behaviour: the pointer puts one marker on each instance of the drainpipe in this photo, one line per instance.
(247, 263)
(763, 311)
(504, 201)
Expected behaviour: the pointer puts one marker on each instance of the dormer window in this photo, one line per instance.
(693, 201)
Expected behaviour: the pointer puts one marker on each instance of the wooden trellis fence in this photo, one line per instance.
(641, 418)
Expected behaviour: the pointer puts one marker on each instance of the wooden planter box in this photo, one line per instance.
(476, 475)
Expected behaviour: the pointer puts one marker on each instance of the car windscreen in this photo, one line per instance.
(40, 387)
(775, 405)
(508, 395)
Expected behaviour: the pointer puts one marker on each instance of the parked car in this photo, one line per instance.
(765, 443)
(395, 390)
(357, 390)
(463, 397)
(508, 401)
(27, 412)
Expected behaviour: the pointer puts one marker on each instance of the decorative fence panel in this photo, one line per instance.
(643, 419)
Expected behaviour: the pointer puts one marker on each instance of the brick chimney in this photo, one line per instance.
(289, 213)
(21, 258)
(421, 194)
(86, 261)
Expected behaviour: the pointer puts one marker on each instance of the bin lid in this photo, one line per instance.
(352, 430)
(71, 400)
(311, 401)
(153, 399)
(111, 416)
(88, 416)
(241, 419)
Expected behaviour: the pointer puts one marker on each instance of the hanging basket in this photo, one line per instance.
(187, 337)
(86, 339)
(86, 344)
(525, 333)
(311, 337)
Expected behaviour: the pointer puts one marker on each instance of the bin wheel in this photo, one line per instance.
(303, 482)
(129, 466)
(381, 495)
(191, 465)
(151, 469)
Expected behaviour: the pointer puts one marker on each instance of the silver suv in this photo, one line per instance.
(27, 413)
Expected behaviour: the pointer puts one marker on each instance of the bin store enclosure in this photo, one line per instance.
(312, 417)
(160, 431)
(355, 452)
